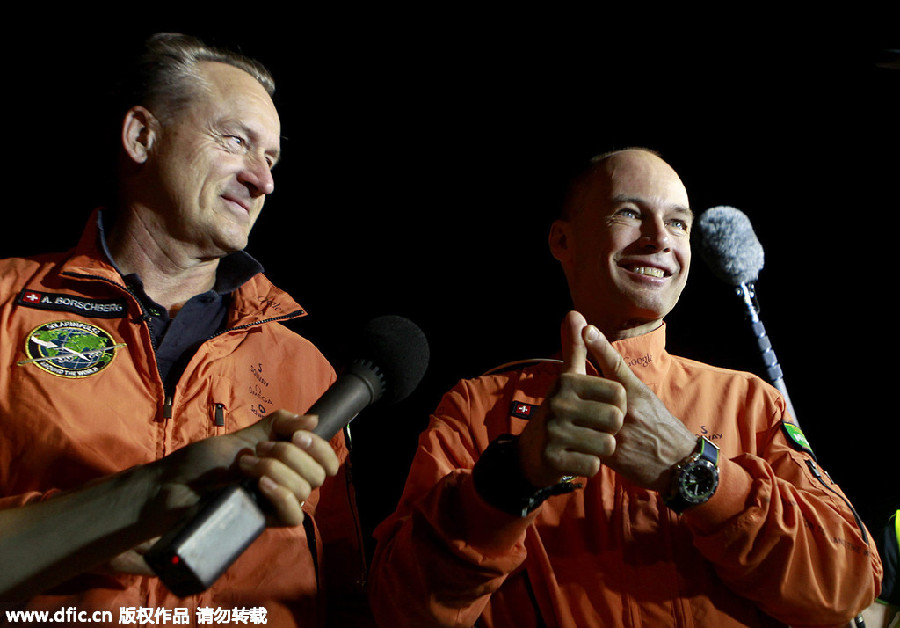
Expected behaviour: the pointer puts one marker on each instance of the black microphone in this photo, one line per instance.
(732, 251)
(391, 356)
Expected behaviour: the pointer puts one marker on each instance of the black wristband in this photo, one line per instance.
(499, 480)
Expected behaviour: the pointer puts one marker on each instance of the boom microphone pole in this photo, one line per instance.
(733, 253)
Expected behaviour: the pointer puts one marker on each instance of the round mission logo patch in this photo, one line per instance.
(70, 348)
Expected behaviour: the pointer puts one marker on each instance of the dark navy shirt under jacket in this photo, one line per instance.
(176, 339)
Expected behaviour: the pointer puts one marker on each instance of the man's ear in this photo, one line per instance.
(139, 129)
(559, 240)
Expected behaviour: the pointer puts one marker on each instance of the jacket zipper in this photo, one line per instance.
(274, 319)
(219, 415)
(815, 471)
(167, 397)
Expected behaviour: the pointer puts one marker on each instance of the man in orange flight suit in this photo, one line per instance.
(622, 485)
(149, 365)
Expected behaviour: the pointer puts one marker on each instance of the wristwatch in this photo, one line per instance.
(694, 479)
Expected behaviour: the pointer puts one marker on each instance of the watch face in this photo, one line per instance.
(698, 481)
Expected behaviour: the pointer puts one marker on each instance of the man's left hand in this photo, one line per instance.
(651, 440)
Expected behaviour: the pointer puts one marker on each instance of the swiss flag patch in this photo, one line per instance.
(522, 410)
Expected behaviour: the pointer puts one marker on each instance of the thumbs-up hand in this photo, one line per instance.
(614, 419)
(576, 425)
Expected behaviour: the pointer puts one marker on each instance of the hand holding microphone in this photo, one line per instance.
(291, 464)
(390, 359)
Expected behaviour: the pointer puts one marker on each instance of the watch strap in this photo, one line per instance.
(499, 481)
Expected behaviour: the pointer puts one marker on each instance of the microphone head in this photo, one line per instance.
(729, 246)
(398, 349)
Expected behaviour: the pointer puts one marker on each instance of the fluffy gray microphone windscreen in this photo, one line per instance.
(729, 246)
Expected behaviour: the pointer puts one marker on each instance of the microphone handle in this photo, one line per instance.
(357, 388)
(747, 291)
(192, 555)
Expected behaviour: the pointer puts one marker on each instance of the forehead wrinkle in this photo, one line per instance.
(250, 96)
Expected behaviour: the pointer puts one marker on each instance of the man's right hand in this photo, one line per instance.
(108, 521)
(281, 452)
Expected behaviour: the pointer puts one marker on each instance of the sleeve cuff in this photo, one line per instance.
(728, 501)
(499, 481)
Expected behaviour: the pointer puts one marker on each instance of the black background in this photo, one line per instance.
(423, 154)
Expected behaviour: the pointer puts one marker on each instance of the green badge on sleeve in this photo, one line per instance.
(795, 434)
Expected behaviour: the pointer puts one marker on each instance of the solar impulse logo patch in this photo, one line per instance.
(70, 349)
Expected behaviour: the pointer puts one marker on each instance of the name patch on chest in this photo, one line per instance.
(94, 308)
